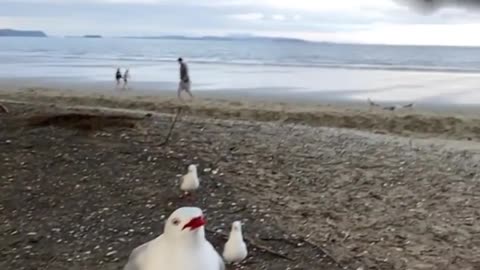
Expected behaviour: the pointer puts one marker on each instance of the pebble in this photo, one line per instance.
(111, 253)
(33, 237)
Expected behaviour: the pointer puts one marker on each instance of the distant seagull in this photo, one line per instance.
(397, 107)
(390, 108)
(235, 249)
(190, 181)
(182, 246)
(372, 104)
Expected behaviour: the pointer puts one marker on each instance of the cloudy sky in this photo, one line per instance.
(362, 21)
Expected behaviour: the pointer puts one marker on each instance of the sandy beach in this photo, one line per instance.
(422, 121)
(88, 177)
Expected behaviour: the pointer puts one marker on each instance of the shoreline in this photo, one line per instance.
(430, 122)
(344, 98)
(320, 85)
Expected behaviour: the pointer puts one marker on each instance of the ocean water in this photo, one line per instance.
(383, 73)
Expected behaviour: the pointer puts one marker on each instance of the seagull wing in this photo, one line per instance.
(213, 251)
(141, 255)
(221, 263)
(135, 258)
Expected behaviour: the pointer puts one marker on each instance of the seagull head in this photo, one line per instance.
(192, 169)
(185, 222)
(237, 226)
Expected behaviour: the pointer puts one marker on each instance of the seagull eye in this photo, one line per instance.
(176, 222)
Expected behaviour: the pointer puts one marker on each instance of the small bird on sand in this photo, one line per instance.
(398, 107)
(190, 181)
(182, 246)
(372, 104)
(235, 249)
(391, 108)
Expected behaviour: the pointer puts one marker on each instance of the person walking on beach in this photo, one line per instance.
(126, 76)
(185, 82)
(118, 76)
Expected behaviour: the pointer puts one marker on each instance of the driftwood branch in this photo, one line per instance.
(251, 242)
(314, 245)
(282, 239)
(172, 126)
(52, 260)
(303, 240)
(3, 109)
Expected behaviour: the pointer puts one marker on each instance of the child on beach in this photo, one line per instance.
(118, 76)
(185, 83)
(126, 76)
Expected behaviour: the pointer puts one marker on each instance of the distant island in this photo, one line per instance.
(92, 36)
(225, 38)
(21, 33)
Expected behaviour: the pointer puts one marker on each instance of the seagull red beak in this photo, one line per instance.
(195, 223)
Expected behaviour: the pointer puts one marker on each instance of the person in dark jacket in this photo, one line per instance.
(185, 83)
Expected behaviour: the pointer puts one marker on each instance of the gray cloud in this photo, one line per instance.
(434, 5)
(379, 21)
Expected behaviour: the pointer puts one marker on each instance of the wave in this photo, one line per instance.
(81, 57)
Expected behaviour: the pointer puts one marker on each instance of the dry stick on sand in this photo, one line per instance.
(3, 108)
(47, 266)
(306, 240)
(297, 241)
(172, 126)
(256, 245)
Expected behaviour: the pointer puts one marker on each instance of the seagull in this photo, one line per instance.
(182, 246)
(190, 181)
(235, 249)
(372, 104)
(390, 108)
(398, 107)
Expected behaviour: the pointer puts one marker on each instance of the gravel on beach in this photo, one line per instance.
(81, 193)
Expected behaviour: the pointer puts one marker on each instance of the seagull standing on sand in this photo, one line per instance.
(235, 249)
(398, 107)
(390, 108)
(190, 181)
(372, 104)
(182, 246)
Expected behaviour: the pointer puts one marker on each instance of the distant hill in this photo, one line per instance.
(20, 33)
(226, 38)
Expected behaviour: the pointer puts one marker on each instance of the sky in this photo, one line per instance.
(357, 21)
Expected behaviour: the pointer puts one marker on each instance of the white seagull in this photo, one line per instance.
(190, 181)
(182, 246)
(235, 249)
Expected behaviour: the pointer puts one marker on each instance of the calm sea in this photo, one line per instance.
(390, 73)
